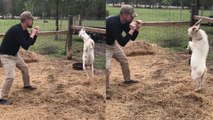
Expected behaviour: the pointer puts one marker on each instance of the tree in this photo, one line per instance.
(1, 7)
(7, 6)
(31, 5)
(167, 2)
(18, 7)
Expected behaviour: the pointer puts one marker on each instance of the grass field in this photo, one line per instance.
(147, 14)
(171, 37)
(5, 24)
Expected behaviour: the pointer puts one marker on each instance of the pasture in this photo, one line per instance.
(174, 38)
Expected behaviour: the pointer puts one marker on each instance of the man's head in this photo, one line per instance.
(127, 12)
(27, 17)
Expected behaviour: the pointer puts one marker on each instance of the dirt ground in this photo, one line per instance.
(165, 90)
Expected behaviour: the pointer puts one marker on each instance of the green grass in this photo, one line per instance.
(147, 14)
(48, 46)
(50, 25)
(156, 14)
(174, 38)
(6, 24)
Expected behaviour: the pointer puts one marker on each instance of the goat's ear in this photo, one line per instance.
(79, 33)
(195, 28)
(198, 26)
(122, 4)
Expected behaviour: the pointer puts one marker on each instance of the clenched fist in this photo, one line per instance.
(133, 25)
(37, 29)
(136, 25)
(139, 24)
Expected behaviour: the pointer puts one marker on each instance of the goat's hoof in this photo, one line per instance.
(87, 83)
(197, 90)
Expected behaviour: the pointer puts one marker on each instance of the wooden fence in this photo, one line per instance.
(205, 19)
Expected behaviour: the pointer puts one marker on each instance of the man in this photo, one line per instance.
(17, 36)
(115, 25)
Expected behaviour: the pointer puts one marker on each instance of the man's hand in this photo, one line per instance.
(33, 32)
(133, 26)
(139, 25)
(37, 28)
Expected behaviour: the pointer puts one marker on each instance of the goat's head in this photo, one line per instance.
(82, 33)
(193, 30)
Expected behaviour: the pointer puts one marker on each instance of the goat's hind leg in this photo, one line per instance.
(199, 83)
(201, 80)
(88, 81)
(92, 70)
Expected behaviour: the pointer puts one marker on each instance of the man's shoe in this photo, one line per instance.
(130, 81)
(5, 102)
(31, 88)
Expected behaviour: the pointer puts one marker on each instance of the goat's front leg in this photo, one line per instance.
(189, 47)
(84, 61)
(87, 74)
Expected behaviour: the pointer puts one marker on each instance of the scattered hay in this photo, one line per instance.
(164, 91)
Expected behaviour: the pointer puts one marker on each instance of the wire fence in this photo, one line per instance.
(171, 36)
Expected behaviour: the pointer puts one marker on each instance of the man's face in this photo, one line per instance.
(128, 17)
(29, 23)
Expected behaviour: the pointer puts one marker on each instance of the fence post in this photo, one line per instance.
(69, 38)
(194, 11)
(80, 21)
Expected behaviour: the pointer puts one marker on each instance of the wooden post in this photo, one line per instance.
(194, 11)
(80, 21)
(193, 21)
(56, 22)
(69, 38)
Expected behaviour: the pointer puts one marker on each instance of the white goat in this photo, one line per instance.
(88, 52)
(199, 47)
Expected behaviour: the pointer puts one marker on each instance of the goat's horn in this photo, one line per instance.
(199, 21)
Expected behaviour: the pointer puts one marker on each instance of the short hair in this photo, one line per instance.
(127, 9)
(26, 15)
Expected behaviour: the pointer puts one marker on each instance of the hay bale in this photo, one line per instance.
(28, 56)
(138, 48)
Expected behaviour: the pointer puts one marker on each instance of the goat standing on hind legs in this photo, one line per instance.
(199, 47)
(88, 53)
